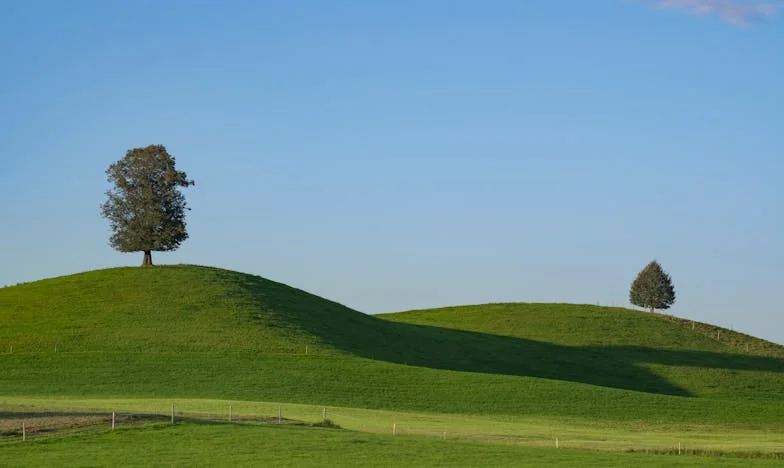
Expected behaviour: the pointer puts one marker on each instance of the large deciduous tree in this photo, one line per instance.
(652, 288)
(145, 207)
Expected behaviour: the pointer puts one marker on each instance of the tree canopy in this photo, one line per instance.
(652, 288)
(145, 208)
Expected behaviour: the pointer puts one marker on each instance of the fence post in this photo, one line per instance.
(556, 442)
(394, 429)
(229, 413)
(278, 414)
(112, 420)
(172, 413)
(324, 415)
(24, 431)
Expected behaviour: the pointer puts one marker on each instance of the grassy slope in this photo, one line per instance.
(203, 332)
(249, 445)
(174, 308)
(587, 325)
(653, 348)
(353, 383)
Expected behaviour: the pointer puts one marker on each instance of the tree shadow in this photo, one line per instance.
(608, 366)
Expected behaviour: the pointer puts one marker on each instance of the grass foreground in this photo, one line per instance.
(529, 431)
(516, 375)
(264, 445)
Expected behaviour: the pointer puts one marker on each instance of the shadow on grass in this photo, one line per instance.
(442, 348)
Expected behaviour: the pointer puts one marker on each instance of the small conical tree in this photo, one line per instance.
(145, 208)
(652, 288)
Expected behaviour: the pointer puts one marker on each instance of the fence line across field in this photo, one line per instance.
(26, 425)
(32, 425)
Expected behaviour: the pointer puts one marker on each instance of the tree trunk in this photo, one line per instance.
(147, 258)
(651, 304)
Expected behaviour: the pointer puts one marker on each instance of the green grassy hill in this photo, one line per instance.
(622, 348)
(198, 332)
(588, 325)
(165, 309)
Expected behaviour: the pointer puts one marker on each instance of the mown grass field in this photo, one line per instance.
(211, 444)
(203, 334)
(533, 431)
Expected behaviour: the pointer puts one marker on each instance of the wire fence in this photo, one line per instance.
(23, 425)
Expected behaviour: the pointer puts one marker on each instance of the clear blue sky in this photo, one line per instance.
(411, 154)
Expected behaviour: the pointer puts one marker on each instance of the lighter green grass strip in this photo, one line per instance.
(529, 431)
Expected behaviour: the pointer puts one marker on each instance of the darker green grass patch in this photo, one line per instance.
(354, 382)
(713, 454)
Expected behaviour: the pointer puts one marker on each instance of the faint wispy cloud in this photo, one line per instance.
(737, 12)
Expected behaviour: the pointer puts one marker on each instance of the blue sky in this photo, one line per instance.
(411, 154)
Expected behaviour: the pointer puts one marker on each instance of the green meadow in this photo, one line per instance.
(499, 381)
(247, 445)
